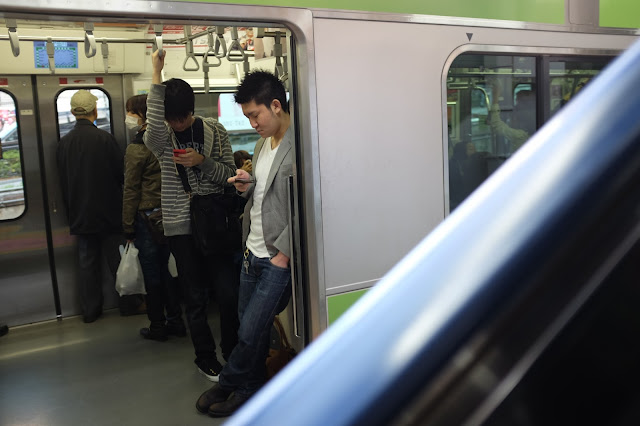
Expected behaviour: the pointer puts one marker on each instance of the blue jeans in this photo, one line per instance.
(199, 275)
(163, 291)
(265, 290)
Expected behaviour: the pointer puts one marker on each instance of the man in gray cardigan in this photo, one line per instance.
(265, 278)
(207, 163)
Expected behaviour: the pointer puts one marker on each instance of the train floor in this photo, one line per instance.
(70, 373)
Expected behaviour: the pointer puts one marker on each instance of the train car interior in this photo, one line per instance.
(50, 61)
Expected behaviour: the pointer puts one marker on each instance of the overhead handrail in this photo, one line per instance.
(89, 40)
(189, 49)
(105, 56)
(13, 36)
(157, 29)
(51, 54)
(235, 46)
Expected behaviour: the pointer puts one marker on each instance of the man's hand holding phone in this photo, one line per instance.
(241, 180)
(187, 157)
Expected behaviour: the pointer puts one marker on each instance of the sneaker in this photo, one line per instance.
(209, 368)
(228, 407)
(212, 396)
(160, 335)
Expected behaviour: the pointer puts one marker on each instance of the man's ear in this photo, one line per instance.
(276, 106)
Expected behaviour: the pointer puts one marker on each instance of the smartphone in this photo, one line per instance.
(177, 152)
(238, 180)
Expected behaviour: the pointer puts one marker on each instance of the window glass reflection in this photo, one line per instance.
(66, 120)
(12, 197)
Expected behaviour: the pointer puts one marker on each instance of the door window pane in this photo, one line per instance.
(567, 77)
(223, 107)
(66, 120)
(11, 179)
(491, 112)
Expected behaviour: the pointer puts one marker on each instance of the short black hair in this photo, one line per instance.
(138, 105)
(179, 99)
(262, 87)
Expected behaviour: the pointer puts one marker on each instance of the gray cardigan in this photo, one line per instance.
(275, 204)
(217, 167)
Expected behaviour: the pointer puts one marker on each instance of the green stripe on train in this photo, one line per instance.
(338, 304)
(620, 13)
(543, 11)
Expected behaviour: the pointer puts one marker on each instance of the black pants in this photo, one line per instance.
(200, 275)
(94, 250)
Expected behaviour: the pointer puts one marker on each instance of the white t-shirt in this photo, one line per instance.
(255, 240)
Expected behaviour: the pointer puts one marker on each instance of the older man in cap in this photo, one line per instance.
(91, 167)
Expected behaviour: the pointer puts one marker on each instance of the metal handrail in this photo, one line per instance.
(395, 340)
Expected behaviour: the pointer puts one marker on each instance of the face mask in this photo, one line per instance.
(132, 123)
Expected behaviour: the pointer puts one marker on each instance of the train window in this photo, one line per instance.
(66, 120)
(568, 76)
(491, 112)
(222, 105)
(11, 179)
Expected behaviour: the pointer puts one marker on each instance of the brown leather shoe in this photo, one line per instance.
(214, 395)
(228, 407)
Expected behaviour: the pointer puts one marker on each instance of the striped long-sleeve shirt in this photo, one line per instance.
(217, 167)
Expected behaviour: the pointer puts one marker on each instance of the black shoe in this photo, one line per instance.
(228, 407)
(91, 318)
(210, 368)
(4, 329)
(214, 395)
(159, 335)
(177, 329)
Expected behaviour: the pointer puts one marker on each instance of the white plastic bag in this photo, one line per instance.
(173, 269)
(129, 279)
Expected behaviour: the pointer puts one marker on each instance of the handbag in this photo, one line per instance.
(280, 352)
(215, 219)
(129, 278)
(215, 223)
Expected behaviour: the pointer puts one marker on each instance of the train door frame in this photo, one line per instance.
(26, 288)
(309, 260)
(63, 247)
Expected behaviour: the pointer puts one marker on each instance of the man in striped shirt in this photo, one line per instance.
(206, 163)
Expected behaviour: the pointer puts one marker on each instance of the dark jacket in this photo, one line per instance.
(91, 167)
(141, 182)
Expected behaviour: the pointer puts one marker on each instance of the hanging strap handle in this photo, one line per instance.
(189, 49)
(89, 40)
(13, 36)
(158, 28)
(220, 43)
(235, 47)
(51, 54)
(105, 56)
